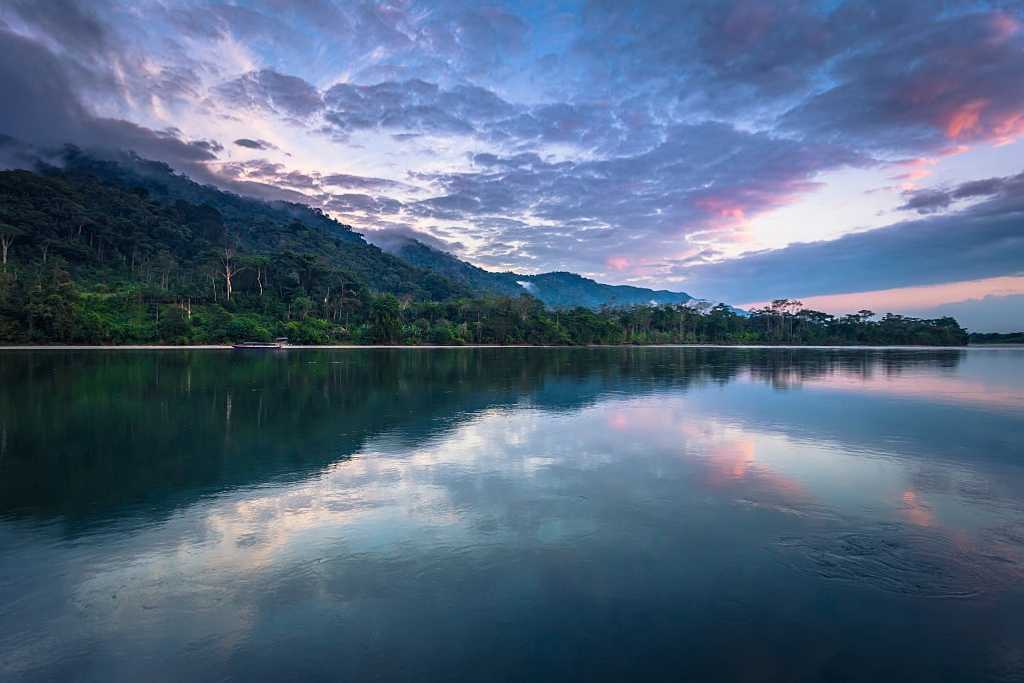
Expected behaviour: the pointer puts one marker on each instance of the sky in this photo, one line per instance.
(847, 154)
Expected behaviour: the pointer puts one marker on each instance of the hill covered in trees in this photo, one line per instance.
(117, 252)
(556, 290)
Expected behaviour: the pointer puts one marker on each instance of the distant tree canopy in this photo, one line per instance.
(106, 253)
(997, 337)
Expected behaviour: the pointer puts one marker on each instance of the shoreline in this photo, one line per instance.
(228, 347)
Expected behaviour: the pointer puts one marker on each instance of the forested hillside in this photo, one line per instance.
(116, 253)
(556, 290)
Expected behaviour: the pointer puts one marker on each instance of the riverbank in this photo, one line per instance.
(228, 347)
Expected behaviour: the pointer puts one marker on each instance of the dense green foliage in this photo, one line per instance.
(997, 338)
(556, 290)
(118, 253)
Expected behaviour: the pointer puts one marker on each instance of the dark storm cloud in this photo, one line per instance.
(956, 79)
(989, 314)
(911, 75)
(935, 200)
(99, 59)
(255, 144)
(362, 203)
(49, 113)
(985, 240)
(768, 47)
(67, 23)
(927, 201)
(361, 182)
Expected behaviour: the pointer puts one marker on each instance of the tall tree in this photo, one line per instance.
(7, 235)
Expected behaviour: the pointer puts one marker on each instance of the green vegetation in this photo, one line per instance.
(556, 290)
(997, 338)
(101, 252)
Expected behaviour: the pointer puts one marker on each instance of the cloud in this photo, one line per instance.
(65, 22)
(395, 237)
(934, 200)
(624, 140)
(946, 81)
(267, 89)
(989, 314)
(985, 240)
(321, 186)
(49, 113)
(411, 106)
(362, 203)
(347, 180)
(701, 178)
(255, 144)
(415, 107)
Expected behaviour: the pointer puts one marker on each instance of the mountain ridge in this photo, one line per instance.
(103, 252)
(556, 289)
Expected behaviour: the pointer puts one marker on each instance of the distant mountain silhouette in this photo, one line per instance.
(556, 290)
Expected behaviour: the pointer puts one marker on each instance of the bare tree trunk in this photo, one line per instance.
(229, 270)
(5, 245)
(186, 306)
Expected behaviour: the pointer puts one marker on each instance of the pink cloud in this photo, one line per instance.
(619, 263)
(723, 208)
(910, 298)
(965, 119)
(1003, 26)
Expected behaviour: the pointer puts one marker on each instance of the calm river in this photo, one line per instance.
(512, 514)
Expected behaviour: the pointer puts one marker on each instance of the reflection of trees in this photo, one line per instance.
(783, 368)
(89, 434)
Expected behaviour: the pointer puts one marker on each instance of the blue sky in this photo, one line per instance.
(846, 153)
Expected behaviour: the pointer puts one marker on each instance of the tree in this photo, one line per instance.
(385, 320)
(231, 269)
(7, 235)
(259, 264)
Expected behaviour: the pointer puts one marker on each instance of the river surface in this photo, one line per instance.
(512, 514)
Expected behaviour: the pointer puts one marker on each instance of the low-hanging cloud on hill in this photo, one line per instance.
(624, 142)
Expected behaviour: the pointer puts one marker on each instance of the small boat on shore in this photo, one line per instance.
(278, 343)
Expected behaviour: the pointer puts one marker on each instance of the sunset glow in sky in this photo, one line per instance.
(850, 154)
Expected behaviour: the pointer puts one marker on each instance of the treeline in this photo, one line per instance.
(42, 304)
(92, 253)
(997, 338)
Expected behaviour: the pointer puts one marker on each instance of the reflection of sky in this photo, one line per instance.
(983, 379)
(555, 503)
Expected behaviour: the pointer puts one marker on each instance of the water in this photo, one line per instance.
(512, 514)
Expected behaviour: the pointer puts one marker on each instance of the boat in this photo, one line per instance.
(278, 343)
